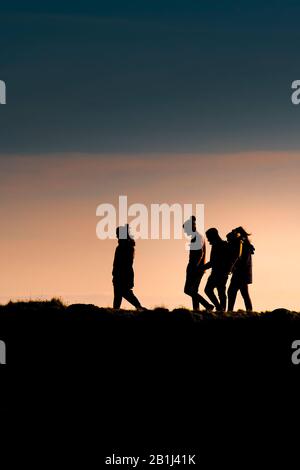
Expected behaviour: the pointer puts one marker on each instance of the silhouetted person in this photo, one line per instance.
(123, 275)
(194, 270)
(242, 251)
(220, 267)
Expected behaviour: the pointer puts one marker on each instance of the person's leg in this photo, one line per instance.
(117, 296)
(131, 298)
(246, 297)
(204, 302)
(209, 291)
(191, 288)
(232, 293)
(222, 293)
(201, 300)
(195, 302)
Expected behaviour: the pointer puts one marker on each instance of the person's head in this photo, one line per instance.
(212, 236)
(231, 236)
(189, 226)
(240, 232)
(123, 232)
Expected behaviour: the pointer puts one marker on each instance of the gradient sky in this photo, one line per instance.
(165, 101)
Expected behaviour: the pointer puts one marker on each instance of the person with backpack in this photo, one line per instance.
(220, 267)
(241, 268)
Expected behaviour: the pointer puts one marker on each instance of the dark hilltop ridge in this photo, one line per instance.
(148, 367)
(50, 332)
(55, 309)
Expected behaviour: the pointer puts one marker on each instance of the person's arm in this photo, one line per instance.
(206, 266)
(200, 258)
(235, 255)
(116, 263)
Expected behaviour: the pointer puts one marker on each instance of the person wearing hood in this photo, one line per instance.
(123, 274)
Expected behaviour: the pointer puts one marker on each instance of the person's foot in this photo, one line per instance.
(141, 309)
(210, 308)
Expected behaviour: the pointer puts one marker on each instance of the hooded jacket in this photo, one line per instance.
(123, 273)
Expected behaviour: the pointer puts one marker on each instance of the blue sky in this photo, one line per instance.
(149, 76)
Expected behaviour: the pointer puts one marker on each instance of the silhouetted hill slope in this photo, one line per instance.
(82, 333)
(55, 310)
(161, 372)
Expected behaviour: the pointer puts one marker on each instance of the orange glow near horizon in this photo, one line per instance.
(49, 244)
